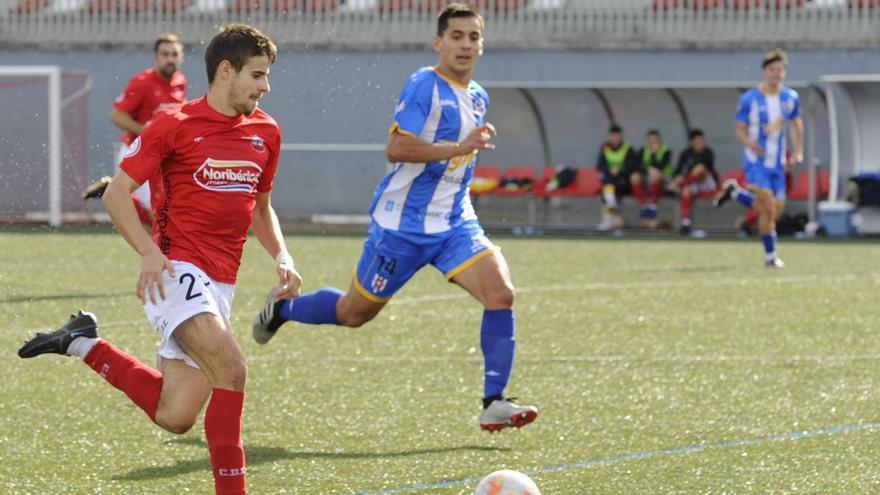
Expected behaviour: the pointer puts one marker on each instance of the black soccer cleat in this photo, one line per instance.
(725, 194)
(96, 189)
(269, 318)
(82, 324)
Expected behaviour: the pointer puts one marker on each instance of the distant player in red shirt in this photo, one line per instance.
(217, 157)
(147, 93)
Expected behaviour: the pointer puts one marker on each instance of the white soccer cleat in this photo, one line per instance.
(606, 224)
(775, 264)
(504, 413)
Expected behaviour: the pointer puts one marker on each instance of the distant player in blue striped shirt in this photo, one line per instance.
(762, 117)
(422, 214)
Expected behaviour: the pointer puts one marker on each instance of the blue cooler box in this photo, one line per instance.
(836, 217)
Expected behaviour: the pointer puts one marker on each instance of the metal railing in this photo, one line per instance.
(381, 24)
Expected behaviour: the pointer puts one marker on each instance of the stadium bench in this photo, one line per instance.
(586, 184)
(521, 172)
(801, 191)
(486, 173)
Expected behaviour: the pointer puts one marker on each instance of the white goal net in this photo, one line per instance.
(44, 163)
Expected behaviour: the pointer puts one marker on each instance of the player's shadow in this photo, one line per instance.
(686, 269)
(58, 297)
(257, 455)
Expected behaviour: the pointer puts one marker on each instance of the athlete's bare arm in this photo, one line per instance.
(404, 147)
(124, 121)
(117, 200)
(796, 129)
(742, 134)
(268, 231)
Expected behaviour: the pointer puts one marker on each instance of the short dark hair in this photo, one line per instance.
(456, 10)
(237, 43)
(654, 132)
(615, 129)
(695, 132)
(166, 38)
(777, 55)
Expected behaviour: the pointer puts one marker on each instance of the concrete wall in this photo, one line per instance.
(348, 97)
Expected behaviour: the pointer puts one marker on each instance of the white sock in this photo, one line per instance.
(770, 256)
(81, 346)
(610, 199)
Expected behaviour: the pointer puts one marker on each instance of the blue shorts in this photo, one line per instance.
(758, 175)
(390, 258)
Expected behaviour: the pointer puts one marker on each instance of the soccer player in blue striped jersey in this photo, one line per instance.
(762, 117)
(422, 214)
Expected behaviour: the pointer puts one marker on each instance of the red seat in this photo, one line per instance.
(171, 5)
(587, 183)
(518, 172)
(496, 5)
(744, 4)
(397, 5)
(733, 173)
(863, 4)
(486, 173)
(696, 5)
(785, 4)
(29, 6)
(244, 6)
(312, 6)
(117, 6)
(801, 189)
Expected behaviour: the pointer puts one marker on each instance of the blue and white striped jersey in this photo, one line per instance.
(430, 198)
(767, 117)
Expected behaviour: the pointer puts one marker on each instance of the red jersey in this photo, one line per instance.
(146, 94)
(212, 168)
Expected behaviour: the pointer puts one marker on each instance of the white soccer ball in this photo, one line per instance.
(507, 482)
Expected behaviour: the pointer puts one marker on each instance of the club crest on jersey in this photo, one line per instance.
(228, 175)
(258, 144)
(479, 106)
(133, 148)
(379, 283)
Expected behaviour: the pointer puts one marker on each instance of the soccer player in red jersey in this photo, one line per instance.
(147, 93)
(217, 157)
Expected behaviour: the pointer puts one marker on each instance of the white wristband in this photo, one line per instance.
(284, 258)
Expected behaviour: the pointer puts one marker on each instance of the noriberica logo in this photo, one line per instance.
(228, 175)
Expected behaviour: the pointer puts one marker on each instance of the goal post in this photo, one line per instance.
(45, 150)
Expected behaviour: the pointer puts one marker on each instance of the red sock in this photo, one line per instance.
(656, 191)
(685, 203)
(639, 192)
(223, 432)
(751, 217)
(141, 384)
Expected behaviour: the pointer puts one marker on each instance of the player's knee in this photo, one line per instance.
(355, 319)
(501, 297)
(230, 374)
(236, 375)
(175, 423)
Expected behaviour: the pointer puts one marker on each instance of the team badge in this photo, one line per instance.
(133, 148)
(480, 106)
(379, 283)
(258, 144)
